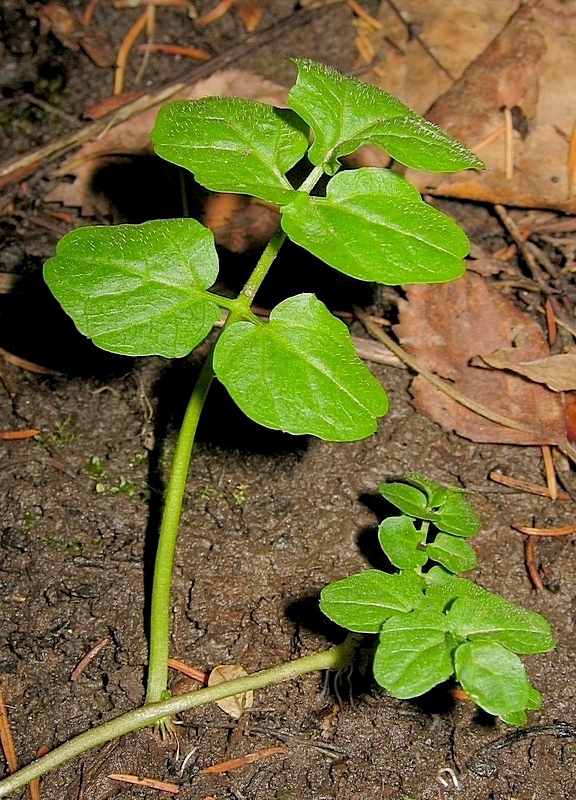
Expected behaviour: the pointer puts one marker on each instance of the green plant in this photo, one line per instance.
(432, 625)
(145, 289)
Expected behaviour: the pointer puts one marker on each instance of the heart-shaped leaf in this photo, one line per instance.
(362, 602)
(373, 225)
(233, 145)
(299, 373)
(138, 289)
(345, 113)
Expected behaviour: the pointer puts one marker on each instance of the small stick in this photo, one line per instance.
(150, 28)
(549, 471)
(551, 326)
(362, 14)
(89, 657)
(6, 740)
(525, 251)
(190, 672)
(490, 138)
(508, 144)
(175, 50)
(235, 763)
(34, 785)
(11, 436)
(530, 558)
(149, 783)
(525, 486)
(572, 162)
(561, 530)
(217, 12)
(125, 48)
(88, 12)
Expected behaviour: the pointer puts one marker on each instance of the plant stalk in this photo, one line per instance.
(160, 604)
(336, 658)
(159, 647)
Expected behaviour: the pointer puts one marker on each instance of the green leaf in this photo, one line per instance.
(453, 553)
(481, 616)
(445, 506)
(232, 145)
(495, 679)
(434, 491)
(408, 499)
(361, 603)
(299, 373)
(138, 289)
(374, 226)
(345, 113)
(414, 653)
(399, 539)
(456, 516)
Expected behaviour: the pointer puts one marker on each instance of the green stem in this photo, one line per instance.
(336, 658)
(160, 604)
(271, 251)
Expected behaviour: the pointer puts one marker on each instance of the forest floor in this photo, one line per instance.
(268, 519)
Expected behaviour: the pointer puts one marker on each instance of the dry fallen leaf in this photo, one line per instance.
(236, 705)
(444, 326)
(499, 78)
(557, 372)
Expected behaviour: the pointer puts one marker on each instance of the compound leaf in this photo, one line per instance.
(362, 602)
(414, 653)
(452, 552)
(138, 289)
(400, 540)
(495, 679)
(299, 373)
(373, 225)
(345, 113)
(233, 145)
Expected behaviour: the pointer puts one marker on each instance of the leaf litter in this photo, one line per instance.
(446, 326)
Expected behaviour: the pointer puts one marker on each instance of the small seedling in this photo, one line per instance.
(432, 625)
(146, 289)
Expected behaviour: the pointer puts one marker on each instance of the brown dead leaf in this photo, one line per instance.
(98, 48)
(557, 372)
(108, 104)
(236, 705)
(133, 137)
(63, 24)
(528, 70)
(476, 68)
(444, 326)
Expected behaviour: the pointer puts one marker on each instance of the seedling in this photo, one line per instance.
(432, 625)
(145, 289)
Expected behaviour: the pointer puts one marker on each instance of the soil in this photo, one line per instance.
(268, 519)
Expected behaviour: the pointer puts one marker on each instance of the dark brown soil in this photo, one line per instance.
(268, 521)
